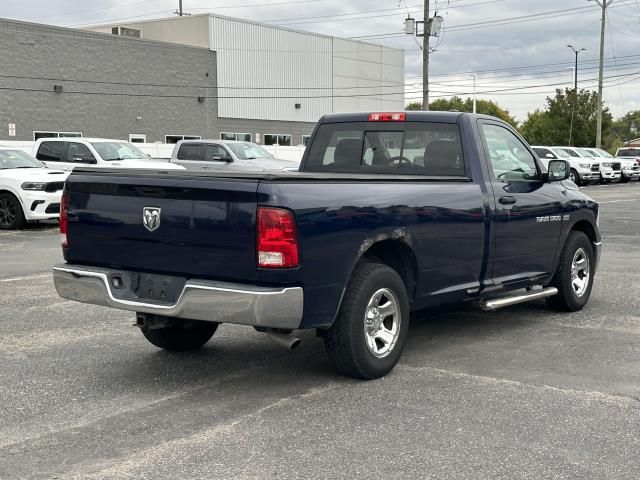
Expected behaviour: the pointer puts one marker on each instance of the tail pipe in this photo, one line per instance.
(287, 340)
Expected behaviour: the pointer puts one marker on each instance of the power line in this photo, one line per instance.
(502, 21)
(272, 97)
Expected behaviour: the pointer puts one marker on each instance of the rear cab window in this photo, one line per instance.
(51, 151)
(400, 148)
(191, 151)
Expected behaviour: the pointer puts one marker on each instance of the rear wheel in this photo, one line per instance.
(11, 214)
(181, 336)
(368, 336)
(574, 276)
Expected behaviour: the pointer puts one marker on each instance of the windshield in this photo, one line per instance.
(603, 153)
(585, 153)
(110, 151)
(571, 153)
(248, 151)
(628, 152)
(17, 159)
(559, 153)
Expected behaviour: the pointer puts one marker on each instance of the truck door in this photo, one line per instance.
(527, 213)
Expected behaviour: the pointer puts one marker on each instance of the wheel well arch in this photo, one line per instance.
(398, 255)
(4, 191)
(587, 228)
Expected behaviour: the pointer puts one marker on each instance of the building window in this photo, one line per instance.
(177, 138)
(44, 134)
(277, 139)
(305, 139)
(137, 138)
(241, 137)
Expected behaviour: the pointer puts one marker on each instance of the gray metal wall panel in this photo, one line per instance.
(264, 72)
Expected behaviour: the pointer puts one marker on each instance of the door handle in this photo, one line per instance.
(507, 200)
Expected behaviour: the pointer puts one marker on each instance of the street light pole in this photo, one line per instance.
(575, 90)
(577, 52)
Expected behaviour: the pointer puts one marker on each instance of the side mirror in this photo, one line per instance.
(549, 155)
(558, 170)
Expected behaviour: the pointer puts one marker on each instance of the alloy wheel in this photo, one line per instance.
(382, 323)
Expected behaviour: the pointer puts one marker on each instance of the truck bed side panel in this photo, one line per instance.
(442, 222)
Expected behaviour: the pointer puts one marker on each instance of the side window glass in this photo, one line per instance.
(216, 153)
(79, 153)
(191, 151)
(50, 151)
(509, 158)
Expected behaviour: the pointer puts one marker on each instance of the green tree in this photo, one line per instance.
(414, 106)
(486, 107)
(622, 130)
(568, 119)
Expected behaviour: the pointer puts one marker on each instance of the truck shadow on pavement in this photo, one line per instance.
(237, 351)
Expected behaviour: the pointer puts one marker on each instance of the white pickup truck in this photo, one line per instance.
(68, 153)
(630, 159)
(583, 170)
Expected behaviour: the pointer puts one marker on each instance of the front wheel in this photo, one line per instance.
(574, 177)
(11, 214)
(574, 276)
(624, 179)
(370, 332)
(181, 337)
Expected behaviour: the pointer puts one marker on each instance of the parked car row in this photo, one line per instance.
(594, 165)
(31, 185)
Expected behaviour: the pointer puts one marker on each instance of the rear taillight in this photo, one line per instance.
(277, 242)
(64, 218)
(387, 117)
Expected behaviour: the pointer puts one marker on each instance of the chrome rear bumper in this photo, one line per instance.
(200, 299)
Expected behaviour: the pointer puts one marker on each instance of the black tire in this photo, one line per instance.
(346, 341)
(575, 178)
(11, 214)
(624, 179)
(568, 299)
(182, 337)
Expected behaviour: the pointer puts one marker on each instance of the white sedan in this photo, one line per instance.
(28, 190)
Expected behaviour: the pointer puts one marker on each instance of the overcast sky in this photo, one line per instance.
(520, 38)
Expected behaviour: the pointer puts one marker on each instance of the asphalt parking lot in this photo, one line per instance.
(525, 392)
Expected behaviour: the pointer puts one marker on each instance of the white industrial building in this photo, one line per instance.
(200, 76)
(273, 73)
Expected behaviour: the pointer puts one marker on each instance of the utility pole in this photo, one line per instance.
(179, 12)
(430, 27)
(425, 58)
(603, 5)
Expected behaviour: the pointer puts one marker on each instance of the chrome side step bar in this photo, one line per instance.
(496, 303)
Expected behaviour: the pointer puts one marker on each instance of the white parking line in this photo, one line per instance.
(28, 277)
(620, 201)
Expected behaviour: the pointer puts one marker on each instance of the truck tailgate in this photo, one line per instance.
(207, 225)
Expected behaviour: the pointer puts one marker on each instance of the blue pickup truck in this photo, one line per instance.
(389, 213)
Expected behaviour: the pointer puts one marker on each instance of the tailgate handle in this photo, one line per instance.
(507, 200)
